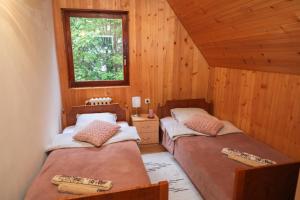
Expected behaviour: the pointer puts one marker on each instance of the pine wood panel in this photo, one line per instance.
(265, 105)
(259, 34)
(164, 62)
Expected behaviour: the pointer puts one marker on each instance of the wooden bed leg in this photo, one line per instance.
(163, 190)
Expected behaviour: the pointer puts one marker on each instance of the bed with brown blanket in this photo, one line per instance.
(118, 162)
(220, 178)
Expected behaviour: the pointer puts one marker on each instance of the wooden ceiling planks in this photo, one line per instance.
(256, 35)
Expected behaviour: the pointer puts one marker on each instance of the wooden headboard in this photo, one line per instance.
(112, 108)
(165, 111)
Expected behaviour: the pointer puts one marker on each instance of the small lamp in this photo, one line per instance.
(136, 103)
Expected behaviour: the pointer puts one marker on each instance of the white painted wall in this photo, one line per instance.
(30, 100)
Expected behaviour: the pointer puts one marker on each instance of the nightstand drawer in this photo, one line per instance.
(148, 138)
(146, 127)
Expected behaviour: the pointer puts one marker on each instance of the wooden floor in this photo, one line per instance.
(151, 148)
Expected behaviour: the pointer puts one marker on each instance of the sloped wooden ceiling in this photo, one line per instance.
(250, 34)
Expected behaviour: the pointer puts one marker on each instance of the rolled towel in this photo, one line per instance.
(247, 158)
(100, 184)
(78, 189)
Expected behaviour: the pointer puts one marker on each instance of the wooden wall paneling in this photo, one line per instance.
(160, 42)
(186, 65)
(175, 71)
(157, 42)
(135, 44)
(199, 66)
(169, 53)
(246, 94)
(265, 105)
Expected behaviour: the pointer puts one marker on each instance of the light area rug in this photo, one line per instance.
(162, 166)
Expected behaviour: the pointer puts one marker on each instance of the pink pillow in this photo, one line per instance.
(97, 132)
(204, 124)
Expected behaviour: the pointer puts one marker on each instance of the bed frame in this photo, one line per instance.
(269, 182)
(151, 192)
(157, 191)
(112, 108)
(165, 111)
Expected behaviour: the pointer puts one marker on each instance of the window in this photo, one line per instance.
(97, 47)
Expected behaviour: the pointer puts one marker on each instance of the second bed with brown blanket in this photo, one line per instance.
(210, 170)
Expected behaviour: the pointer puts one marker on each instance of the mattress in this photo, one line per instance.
(119, 162)
(211, 171)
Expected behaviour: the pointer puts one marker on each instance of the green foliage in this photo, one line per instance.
(97, 48)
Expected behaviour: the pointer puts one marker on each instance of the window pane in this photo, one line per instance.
(97, 45)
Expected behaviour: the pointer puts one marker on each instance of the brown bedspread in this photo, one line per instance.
(120, 162)
(210, 171)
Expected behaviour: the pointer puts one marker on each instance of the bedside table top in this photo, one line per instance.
(143, 117)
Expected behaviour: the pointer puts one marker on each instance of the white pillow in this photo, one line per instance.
(183, 114)
(68, 130)
(84, 119)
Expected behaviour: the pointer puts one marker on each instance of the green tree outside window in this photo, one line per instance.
(97, 47)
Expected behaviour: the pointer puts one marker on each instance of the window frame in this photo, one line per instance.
(67, 14)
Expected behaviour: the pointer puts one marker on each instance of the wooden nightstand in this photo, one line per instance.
(147, 128)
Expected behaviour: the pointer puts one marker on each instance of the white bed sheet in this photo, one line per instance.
(65, 139)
